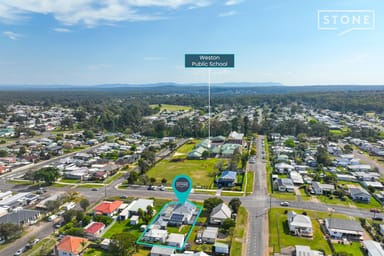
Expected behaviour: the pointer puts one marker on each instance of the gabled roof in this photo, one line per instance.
(94, 227)
(299, 220)
(72, 244)
(107, 207)
(344, 224)
(221, 211)
(228, 175)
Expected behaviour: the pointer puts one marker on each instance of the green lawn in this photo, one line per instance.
(225, 193)
(236, 248)
(349, 202)
(250, 181)
(241, 223)
(20, 182)
(171, 107)
(69, 181)
(279, 236)
(122, 226)
(201, 171)
(354, 249)
(284, 196)
(184, 149)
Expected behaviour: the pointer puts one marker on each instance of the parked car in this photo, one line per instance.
(285, 203)
(20, 251)
(123, 197)
(94, 189)
(379, 218)
(374, 210)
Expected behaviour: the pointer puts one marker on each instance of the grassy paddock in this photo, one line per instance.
(171, 107)
(200, 171)
(250, 181)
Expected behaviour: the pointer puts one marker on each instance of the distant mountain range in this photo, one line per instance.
(195, 88)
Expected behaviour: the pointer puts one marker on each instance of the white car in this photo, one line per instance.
(285, 203)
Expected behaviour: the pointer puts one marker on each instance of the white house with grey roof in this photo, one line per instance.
(319, 188)
(344, 228)
(210, 234)
(359, 194)
(134, 206)
(220, 213)
(299, 225)
(284, 185)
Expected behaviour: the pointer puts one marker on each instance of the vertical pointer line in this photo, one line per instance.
(209, 108)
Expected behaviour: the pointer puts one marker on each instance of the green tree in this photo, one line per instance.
(47, 174)
(205, 154)
(289, 143)
(133, 176)
(227, 225)
(163, 181)
(123, 244)
(9, 230)
(84, 203)
(235, 204)
(3, 153)
(211, 203)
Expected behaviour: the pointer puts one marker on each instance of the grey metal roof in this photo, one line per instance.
(344, 224)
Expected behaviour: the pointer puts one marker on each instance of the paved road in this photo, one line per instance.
(43, 229)
(366, 159)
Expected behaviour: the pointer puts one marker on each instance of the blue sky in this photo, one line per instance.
(85, 42)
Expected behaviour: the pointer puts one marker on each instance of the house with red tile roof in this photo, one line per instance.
(107, 208)
(71, 245)
(94, 229)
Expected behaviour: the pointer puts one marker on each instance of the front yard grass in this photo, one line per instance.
(349, 202)
(353, 249)
(279, 236)
(284, 196)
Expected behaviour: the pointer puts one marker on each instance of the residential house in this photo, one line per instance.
(156, 235)
(284, 185)
(94, 229)
(375, 184)
(299, 225)
(71, 246)
(296, 178)
(283, 168)
(227, 179)
(182, 214)
(235, 138)
(221, 248)
(304, 250)
(220, 213)
(107, 208)
(209, 235)
(134, 206)
(344, 228)
(176, 240)
(162, 251)
(359, 194)
(319, 188)
(373, 248)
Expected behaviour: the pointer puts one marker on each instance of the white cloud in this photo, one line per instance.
(227, 14)
(62, 30)
(11, 35)
(233, 2)
(92, 12)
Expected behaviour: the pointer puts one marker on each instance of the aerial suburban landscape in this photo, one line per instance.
(191, 128)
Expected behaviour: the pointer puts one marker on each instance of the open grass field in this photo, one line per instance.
(200, 171)
(171, 107)
(349, 202)
(279, 236)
